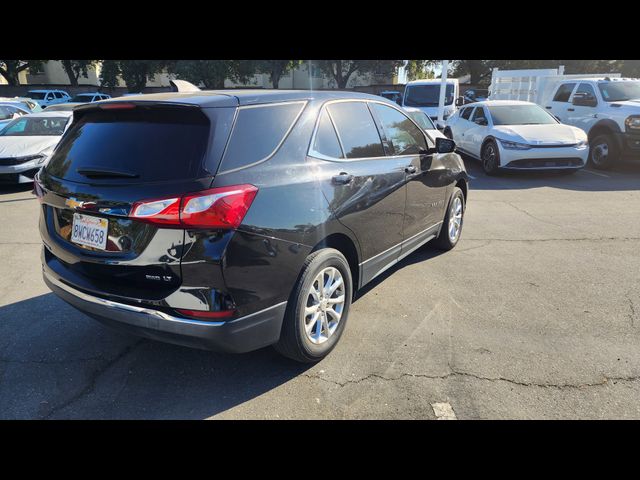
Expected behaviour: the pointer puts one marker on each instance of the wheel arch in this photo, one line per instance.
(348, 248)
(603, 127)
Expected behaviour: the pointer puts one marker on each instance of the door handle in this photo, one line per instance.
(548, 108)
(410, 169)
(342, 179)
(571, 109)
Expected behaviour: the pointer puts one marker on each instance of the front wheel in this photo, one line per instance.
(490, 158)
(603, 152)
(318, 307)
(452, 224)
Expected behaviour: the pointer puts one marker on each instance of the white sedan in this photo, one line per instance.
(27, 143)
(515, 135)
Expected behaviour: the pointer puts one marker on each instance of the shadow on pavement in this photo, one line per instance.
(57, 363)
(623, 176)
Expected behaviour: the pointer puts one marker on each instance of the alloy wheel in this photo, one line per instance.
(455, 219)
(325, 304)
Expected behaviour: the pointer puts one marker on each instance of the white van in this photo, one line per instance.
(425, 95)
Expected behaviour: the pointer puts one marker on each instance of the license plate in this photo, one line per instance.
(90, 231)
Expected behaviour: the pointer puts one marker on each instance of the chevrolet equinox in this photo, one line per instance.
(233, 220)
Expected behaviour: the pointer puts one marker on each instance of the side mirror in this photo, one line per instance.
(459, 101)
(399, 101)
(445, 145)
(584, 100)
(481, 121)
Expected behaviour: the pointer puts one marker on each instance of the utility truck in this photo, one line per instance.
(605, 106)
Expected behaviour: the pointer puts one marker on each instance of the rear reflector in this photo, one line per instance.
(206, 314)
(116, 106)
(223, 207)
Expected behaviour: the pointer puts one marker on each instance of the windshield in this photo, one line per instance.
(423, 120)
(619, 91)
(31, 127)
(36, 95)
(427, 95)
(520, 115)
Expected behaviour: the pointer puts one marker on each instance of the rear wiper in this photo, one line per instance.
(105, 172)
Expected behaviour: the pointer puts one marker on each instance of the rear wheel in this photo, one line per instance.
(318, 307)
(490, 158)
(453, 219)
(604, 152)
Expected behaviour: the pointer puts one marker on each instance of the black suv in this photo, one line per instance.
(233, 220)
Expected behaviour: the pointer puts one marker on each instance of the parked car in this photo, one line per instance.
(23, 102)
(64, 107)
(26, 144)
(517, 135)
(44, 98)
(239, 219)
(476, 95)
(392, 95)
(10, 111)
(606, 106)
(90, 97)
(425, 123)
(425, 95)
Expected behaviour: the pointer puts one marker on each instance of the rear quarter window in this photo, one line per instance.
(258, 132)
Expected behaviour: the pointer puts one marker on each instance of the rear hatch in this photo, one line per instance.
(114, 155)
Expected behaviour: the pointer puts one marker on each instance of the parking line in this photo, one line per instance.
(443, 411)
(595, 173)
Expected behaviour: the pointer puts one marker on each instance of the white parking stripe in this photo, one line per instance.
(595, 173)
(443, 411)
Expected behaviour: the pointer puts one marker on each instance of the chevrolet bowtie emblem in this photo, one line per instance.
(73, 203)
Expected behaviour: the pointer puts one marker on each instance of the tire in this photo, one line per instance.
(445, 240)
(447, 133)
(490, 157)
(295, 342)
(603, 152)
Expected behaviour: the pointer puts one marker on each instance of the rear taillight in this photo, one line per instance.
(223, 207)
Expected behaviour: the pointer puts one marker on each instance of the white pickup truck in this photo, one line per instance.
(605, 106)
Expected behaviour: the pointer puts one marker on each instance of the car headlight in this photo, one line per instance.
(514, 145)
(632, 123)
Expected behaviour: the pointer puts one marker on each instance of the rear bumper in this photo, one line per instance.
(239, 335)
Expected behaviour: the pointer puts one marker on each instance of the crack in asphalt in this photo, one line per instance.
(522, 210)
(91, 383)
(632, 314)
(455, 373)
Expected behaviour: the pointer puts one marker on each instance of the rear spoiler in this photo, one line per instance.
(183, 86)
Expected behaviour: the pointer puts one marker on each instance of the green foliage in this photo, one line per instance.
(275, 69)
(342, 70)
(420, 69)
(10, 69)
(212, 73)
(109, 73)
(76, 68)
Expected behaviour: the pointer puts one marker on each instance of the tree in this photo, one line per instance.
(75, 68)
(342, 70)
(276, 69)
(418, 69)
(136, 73)
(213, 73)
(109, 73)
(10, 69)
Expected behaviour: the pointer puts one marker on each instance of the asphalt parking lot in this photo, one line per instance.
(535, 314)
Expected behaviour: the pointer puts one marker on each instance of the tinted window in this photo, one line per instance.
(427, 95)
(479, 113)
(37, 95)
(358, 132)
(564, 92)
(326, 142)
(619, 91)
(257, 133)
(466, 112)
(422, 120)
(158, 144)
(404, 137)
(57, 94)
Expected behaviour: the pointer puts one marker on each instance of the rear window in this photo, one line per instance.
(258, 132)
(156, 144)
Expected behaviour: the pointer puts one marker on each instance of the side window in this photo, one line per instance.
(5, 113)
(357, 131)
(257, 132)
(57, 95)
(402, 134)
(50, 96)
(326, 141)
(564, 92)
(466, 112)
(587, 89)
(478, 114)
